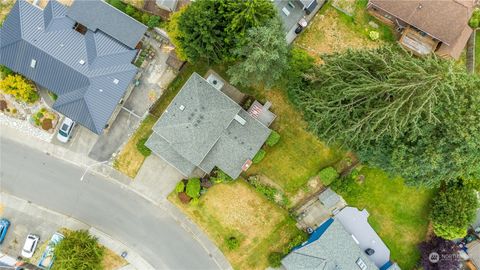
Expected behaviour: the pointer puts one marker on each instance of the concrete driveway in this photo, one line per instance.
(81, 141)
(156, 179)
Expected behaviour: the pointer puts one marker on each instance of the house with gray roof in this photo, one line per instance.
(344, 242)
(203, 128)
(83, 54)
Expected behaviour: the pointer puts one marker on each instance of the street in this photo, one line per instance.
(52, 183)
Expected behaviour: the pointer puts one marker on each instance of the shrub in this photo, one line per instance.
(193, 187)
(220, 176)
(194, 202)
(3, 105)
(259, 156)
(374, 35)
(296, 241)
(118, 4)
(206, 183)
(39, 115)
(232, 243)
(153, 21)
(130, 10)
(5, 71)
(78, 250)
(327, 175)
(273, 138)
(275, 259)
(145, 151)
(453, 209)
(184, 198)
(447, 250)
(180, 187)
(20, 88)
(475, 19)
(47, 124)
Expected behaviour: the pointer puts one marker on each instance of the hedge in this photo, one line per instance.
(273, 138)
(193, 187)
(259, 156)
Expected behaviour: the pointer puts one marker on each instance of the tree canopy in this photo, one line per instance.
(417, 117)
(78, 250)
(211, 29)
(448, 258)
(263, 58)
(454, 209)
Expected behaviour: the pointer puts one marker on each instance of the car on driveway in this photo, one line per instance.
(4, 224)
(30, 245)
(65, 131)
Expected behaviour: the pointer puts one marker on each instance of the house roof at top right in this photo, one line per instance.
(444, 20)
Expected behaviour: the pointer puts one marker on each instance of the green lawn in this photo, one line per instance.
(398, 213)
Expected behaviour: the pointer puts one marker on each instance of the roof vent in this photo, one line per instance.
(33, 63)
(101, 90)
(181, 107)
(240, 120)
(116, 81)
(81, 62)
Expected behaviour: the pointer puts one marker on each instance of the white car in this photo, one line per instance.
(30, 245)
(65, 130)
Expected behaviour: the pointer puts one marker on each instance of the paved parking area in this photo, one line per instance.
(26, 219)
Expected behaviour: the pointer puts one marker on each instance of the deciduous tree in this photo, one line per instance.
(439, 254)
(20, 88)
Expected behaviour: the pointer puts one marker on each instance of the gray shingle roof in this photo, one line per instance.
(86, 92)
(334, 250)
(199, 126)
(97, 14)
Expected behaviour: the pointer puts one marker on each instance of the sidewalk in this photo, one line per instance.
(156, 198)
(55, 221)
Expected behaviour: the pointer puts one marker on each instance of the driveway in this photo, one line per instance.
(102, 203)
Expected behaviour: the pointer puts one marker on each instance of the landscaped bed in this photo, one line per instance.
(398, 213)
(236, 211)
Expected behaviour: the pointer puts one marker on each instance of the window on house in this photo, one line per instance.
(33, 63)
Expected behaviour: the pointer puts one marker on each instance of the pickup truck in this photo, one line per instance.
(48, 257)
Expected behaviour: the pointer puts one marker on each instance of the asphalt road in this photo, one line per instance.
(52, 183)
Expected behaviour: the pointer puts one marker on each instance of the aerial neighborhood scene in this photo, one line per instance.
(240, 134)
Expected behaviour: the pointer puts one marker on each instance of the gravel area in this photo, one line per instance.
(25, 127)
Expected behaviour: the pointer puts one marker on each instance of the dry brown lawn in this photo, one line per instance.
(5, 6)
(130, 160)
(328, 33)
(236, 209)
(112, 261)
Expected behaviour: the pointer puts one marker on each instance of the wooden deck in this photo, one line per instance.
(417, 42)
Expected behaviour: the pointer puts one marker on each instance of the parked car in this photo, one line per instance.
(4, 224)
(30, 245)
(65, 130)
(48, 257)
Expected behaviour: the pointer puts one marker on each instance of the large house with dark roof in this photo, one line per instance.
(426, 26)
(204, 128)
(82, 53)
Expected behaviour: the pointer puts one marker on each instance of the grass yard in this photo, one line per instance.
(398, 213)
(130, 160)
(236, 209)
(5, 6)
(299, 155)
(333, 31)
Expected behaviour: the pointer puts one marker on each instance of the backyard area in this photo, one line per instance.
(237, 210)
(398, 213)
(334, 31)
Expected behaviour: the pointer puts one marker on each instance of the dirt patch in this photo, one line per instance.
(112, 261)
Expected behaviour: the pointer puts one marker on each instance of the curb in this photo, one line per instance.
(134, 259)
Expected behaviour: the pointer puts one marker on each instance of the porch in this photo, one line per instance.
(418, 42)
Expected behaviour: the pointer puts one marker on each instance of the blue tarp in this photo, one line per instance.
(317, 233)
